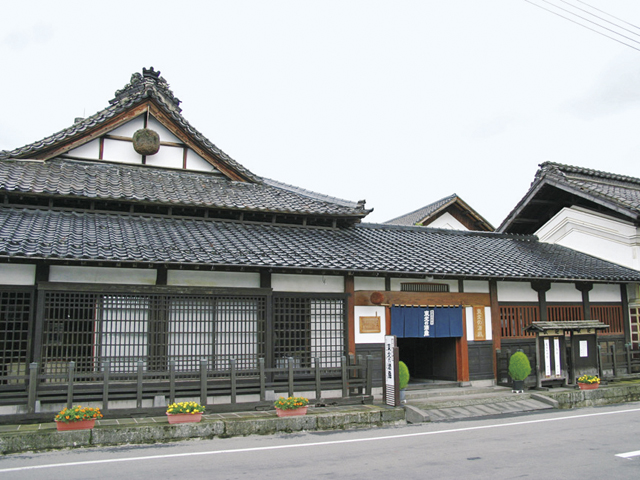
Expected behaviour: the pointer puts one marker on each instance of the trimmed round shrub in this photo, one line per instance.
(403, 372)
(519, 366)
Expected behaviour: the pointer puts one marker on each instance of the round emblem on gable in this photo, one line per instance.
(146, 141)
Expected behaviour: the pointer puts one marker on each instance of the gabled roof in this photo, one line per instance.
(452, 204)
(556, 186)
(90, 180)
(362, 249)
(41, 169)
(146, 92)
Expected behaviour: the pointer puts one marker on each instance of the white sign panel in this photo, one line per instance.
(547, 358)
(389, 370)
(584, 349)
(556, 353)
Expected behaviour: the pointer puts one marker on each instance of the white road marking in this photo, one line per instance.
(629, 454)
(315, 444)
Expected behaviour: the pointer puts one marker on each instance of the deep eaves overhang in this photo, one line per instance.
(556, 178)
(366, 249)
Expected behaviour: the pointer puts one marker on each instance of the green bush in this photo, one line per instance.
(519, 366)
(403, 371)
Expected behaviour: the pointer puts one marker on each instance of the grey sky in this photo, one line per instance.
(396, 102)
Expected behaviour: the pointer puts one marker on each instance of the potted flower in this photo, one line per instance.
(291, 406)
(77, 418)
(184, 412)
(519, 370)
(588, 382)
(403, 380)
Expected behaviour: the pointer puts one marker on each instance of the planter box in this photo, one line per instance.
(291, 413)
(588, 386)
(79, 425)
(184, 417)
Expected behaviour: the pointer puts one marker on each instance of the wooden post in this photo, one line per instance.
(600, 369)
(318, 379)
(72, 366)
(627, 347)
(232, 377)
(106, 366)
(345, 374)
(203, 381)
(139, 386)
(262, 379)
(369, 382)
(33, 387)
(172, 381)
(290, 376)
(351, 317)
(614, 360)
(496, 328)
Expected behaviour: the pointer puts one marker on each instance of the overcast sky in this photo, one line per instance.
(397, 102)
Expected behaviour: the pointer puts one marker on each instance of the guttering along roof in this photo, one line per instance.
(364, 249)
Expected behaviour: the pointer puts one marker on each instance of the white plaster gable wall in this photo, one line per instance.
(475, 286)
(123, 152)
(195, 278)
(123, 276)
(595, 234)
(17, 274)
(284, 282)
(605, 293)
(374, 311)
(448, 221)
(563, 292)
(516, 292)
(368, 283)
(395, 283)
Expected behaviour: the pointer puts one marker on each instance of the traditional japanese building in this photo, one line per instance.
(450, 212)
(130, 239)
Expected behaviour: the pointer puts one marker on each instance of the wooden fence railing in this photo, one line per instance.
(353, 378)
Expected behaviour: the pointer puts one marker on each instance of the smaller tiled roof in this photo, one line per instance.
(141, 183)
(619, 193)
(422, 215)
(566, 325)
(361, 249)
(148, 85)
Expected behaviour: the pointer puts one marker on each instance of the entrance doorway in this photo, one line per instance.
(429, 358)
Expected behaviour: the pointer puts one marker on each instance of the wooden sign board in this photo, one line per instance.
(370, 324)
(479, 324)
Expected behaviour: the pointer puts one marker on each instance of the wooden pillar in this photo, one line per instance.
(624, 297)
(349, 288)
(542, 287)
(462, 352)
(496, 328)
(585, 288)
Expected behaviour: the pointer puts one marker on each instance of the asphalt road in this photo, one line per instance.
(581, 444)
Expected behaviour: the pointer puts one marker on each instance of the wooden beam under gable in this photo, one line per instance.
(175, 129)
(87, 137)
(124, 117)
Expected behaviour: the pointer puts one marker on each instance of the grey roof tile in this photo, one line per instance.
(365, 248)
(140, 183)
(141, 87)
(619, 192)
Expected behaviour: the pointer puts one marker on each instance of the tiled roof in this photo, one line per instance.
(140, 183)
(433, 210)
(413, 218)
(141, 87)
(616, 192)
(365, 248)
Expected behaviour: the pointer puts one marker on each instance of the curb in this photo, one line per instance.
(49, 438)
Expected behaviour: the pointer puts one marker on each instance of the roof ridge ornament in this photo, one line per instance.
(149, 83)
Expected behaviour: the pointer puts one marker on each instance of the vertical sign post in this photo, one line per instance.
(391, 391)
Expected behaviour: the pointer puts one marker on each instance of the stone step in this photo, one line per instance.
(485, 409)
(418, 393)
